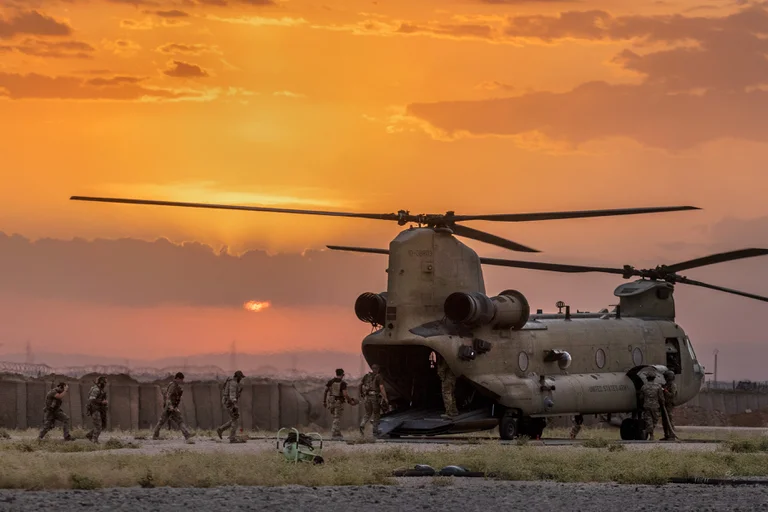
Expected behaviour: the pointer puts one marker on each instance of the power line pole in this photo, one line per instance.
(715, 353)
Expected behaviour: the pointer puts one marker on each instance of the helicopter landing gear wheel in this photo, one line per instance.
(509, 426)
(633, 430)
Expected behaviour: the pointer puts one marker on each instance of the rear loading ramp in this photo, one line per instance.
(428, 422)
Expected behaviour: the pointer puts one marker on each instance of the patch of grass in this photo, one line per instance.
(61, 446)
(616, 447)
(748, 445)
(595, 442)
(4, 434)
(180, 468)
(81, 482)
(522, 440)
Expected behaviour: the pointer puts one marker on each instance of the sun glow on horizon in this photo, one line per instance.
(256, 306)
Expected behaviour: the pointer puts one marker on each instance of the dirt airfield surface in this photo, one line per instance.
(443, 494)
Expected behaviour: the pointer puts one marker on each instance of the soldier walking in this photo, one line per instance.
(653, 398)
(448, 380)
(97, 408)
(337, 389)
(230, 397)
(670, 396)
(171, 402)
(372, 393)
(578, 421)
(53, 413)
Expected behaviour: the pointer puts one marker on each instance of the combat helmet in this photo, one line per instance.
(101, 380)
(239, 375)
(669, 375)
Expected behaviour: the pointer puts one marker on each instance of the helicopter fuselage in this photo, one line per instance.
(504, 357)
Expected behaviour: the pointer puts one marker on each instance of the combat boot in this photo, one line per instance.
(219, 432)
(362, 430)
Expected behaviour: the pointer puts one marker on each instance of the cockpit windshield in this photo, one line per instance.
(690, 349)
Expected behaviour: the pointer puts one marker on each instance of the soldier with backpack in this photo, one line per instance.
(230, 395)
(373, 395)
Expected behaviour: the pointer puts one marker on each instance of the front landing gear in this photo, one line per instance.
(633, 429)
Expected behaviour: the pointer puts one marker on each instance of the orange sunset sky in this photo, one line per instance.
(477, 106)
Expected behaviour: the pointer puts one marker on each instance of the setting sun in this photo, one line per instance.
(256, 306)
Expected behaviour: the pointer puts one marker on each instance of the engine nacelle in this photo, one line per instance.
(371, 308)
(507, 310)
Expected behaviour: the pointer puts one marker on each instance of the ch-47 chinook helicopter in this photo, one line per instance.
(514, 369)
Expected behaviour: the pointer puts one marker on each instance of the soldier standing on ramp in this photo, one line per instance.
(53, 413)
(171, 403)
(371, 392)
(653, 398)
(670, 394)
(97, 408)
(230, 396)
(337, 388)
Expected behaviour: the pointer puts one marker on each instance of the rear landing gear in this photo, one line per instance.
(633, 429)
(508, 426)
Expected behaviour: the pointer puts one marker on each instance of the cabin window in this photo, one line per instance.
(600, 358)
(522, 361)
(637, 356)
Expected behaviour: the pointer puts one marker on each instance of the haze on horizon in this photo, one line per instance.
(476, 106)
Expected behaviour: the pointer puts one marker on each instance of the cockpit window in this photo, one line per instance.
(690, 348)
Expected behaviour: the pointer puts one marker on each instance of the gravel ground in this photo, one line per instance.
(461, 495)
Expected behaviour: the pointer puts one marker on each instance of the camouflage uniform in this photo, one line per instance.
(97, 410)
(230, 398)
(576, 428)
(653, 398)
(53, 413)
(670, 396)
(370, 393)
(171, 410)
(336, 388)
(449, 385)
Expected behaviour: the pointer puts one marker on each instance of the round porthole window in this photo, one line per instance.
(522, 361)
(637, 356)
(600, 358)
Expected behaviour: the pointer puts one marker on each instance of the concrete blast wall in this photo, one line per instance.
(132, 406)
(264, 405)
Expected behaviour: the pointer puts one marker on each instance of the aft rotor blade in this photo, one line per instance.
(685, 280)
(554, 267)
(378, 216)
(488, 238)
(579, 214)
(357, 249)
(717, 258)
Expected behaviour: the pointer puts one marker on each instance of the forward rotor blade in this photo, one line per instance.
(685, 280)
(378, 216)
(531, 265)
(357, 249)
(579, 214)
(717, 258)
(488, 238)
(554, 267)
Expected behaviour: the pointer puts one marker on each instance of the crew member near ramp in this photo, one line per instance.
(371, 393)
(448, 380)
(230, 397)
(97, 408)
(171, 403)
(670, 395)
(653, 398)
(53, 413)
(337, 389)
